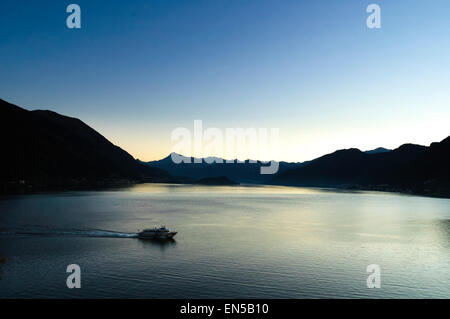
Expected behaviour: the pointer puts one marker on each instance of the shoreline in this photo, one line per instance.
(118, 184)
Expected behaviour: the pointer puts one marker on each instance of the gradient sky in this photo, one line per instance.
(136, 70)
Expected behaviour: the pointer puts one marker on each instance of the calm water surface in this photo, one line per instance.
(233, 242)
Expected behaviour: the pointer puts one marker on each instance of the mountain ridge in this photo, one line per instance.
(247, 171)
(410, 168)
(378, 150)
(43, 149)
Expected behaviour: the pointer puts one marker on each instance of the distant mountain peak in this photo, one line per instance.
(248, 171)
(409, 147)
(378, 150)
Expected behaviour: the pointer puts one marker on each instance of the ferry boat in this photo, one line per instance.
(156, 233)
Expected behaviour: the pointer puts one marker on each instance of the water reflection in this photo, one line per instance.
(2, 261)
(233, 242)
(444, 227)
(163, 244)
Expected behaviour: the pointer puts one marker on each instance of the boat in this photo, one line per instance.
(156, 233)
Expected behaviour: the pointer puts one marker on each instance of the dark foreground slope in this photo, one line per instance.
(409, 168)
(43, 149)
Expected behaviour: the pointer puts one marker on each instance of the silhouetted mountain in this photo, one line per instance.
(409, 168)
(43, 149)
(246, 172)
(432, 169)
(378, 150)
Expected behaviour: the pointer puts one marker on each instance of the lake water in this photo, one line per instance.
(232, 242)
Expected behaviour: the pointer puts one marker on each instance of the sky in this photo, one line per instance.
(137, 70)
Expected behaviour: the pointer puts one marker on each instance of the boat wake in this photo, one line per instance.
(48, 232)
